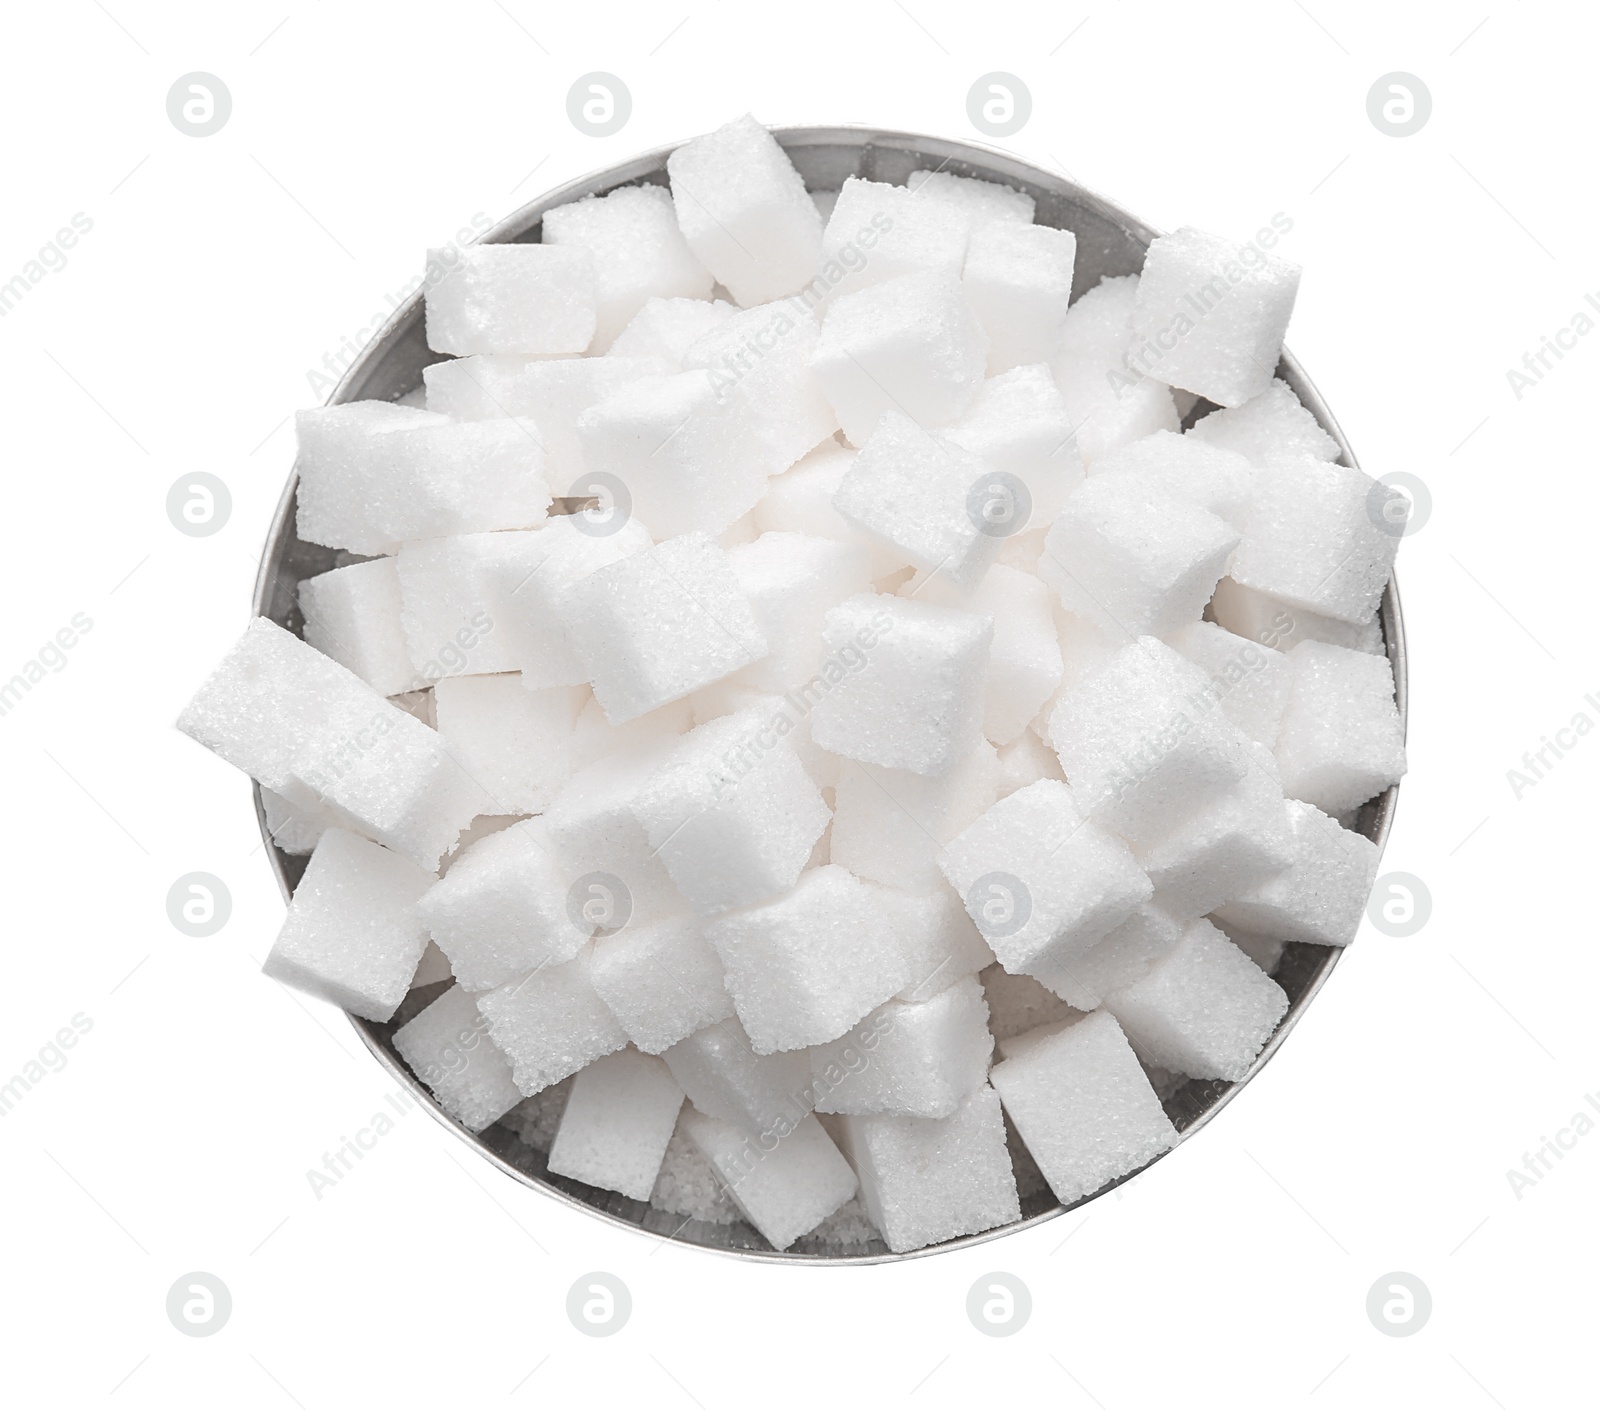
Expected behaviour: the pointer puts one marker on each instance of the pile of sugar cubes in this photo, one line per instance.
(846, 751)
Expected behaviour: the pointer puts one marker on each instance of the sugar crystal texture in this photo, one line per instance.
(1126, 954)
(1271, 426)
(1112, 404)
(785, 1190)
(877, 231)
(1041, 881)
(351, 936)
(911, 344)
(619, 1116)
(517, 743)
(1083, 1106)
(805, 967)
(502, 908)
(904, 683)
(726, 1078)
(1218, 480)
(447, 1046)
(1019, 279)
(639, 253)
(511, 299)
(1210, 315)
(1205, 1010)
(1341, 742)
(662, 981)
(660, 624)
(353, 615)
(1320, 898)
(1261, 617)
(919, 1059)
(745, 213)
(459, 604)
(732, 814)
(981, 203)
(801, 501)
(925, 1181)
(1027, 759)
(1020, 424)
(940, 941)
(550, 1022)
(1250, 680)
(666, 329)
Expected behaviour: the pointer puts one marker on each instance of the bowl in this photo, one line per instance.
(1109, 242)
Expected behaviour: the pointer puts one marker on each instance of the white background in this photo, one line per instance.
(178, 339)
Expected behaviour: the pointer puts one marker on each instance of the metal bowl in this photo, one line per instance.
(1110, 242)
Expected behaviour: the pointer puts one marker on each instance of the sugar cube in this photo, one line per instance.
(550, 1022)
(1205, 1009)
(905, 683)
(619, 1116)
(353, 615)
(791, 581)
(877, 232)
(1261, 617)
(458, 604)
(726, 1078)
(511, 299)
(666, 329)
(912, 344)
(940, 941)
(351, 936)
(1126, 954)
(1249, 680)
(295, 830)
(518, 744)
(801, 501)
(1341, 742)
(639, 253)
(1040, 880)
(981, 203)
(1271, 426)
(1221, 481)
(745, 213)
(447, 1045)
(1019, 280)
(662, 981)
(1019, 424)
(806, 966)
(660, 624)
(1027, 759)
(786, 1188)
(1019, 1003)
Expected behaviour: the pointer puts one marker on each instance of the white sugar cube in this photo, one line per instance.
(552, 393)
(550, 1022)
(1226, 848)
(639, 253)
(889, 824)
(503, 908)
(597, 835)
(517, 744)
(791, 581)
(1218, 480)
(660, 624)
(759, 362)
(1210, 315)
(1025, 665)
(1040, 880)
(353, 615)
(511, 299)
(803, 968)
(785, 717)
(447, 1045)
(614, 1130)
(1112, 404)
(785, 1191)
(374, 492)
(688, 459)
(1019, 423)
(351, 936)
(1083, 1107)
(926, 1181)
(1126, 954)
(1341, 742)
(924, 495)
(980, 202)
(801, 501)
(662, 981)
(1135, 560)
(1249, 680)
(1271, 426)
(1144, 743)
(877, 232)
(1019, 280)
(1320, 899)
(1205, 1009)
(905, 683)
(940, 941)
(745, 213)
(666, 329)
(732, 814)
(918, 1059)
(1315, 536)
(458, 603)
(912, 344)
(1027, 759)
(726, 1078)
(1261, 617)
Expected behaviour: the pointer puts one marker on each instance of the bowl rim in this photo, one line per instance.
(632, 169)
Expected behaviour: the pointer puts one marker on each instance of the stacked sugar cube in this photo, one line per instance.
(922, 745)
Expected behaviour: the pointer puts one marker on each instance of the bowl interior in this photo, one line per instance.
(1109, 242)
